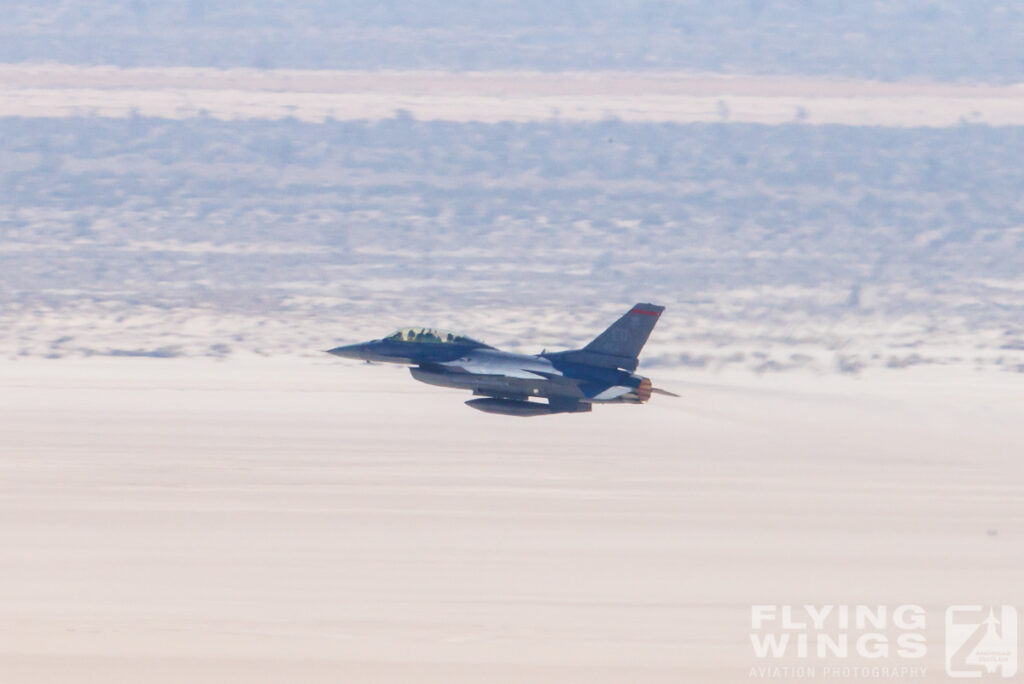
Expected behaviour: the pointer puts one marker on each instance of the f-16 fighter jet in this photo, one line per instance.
(507, 383)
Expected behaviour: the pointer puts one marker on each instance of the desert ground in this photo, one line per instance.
(282, 520)
(55, 90)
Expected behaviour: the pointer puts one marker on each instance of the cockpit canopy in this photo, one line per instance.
(431, 335)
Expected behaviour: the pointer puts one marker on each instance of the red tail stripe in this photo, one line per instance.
(645, 312)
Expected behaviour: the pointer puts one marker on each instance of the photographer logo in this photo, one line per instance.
(981, 641)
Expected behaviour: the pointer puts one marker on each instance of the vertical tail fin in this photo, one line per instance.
(619, 345)
(627, 336)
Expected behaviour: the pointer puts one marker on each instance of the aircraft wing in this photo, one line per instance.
(486, 367)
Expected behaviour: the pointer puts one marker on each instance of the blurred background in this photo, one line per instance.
(810, 187)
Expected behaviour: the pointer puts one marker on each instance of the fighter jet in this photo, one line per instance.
(512, 384)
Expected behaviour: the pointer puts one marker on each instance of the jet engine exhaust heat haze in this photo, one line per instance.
(571, 381)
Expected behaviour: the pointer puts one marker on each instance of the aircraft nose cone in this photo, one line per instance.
(349, 351)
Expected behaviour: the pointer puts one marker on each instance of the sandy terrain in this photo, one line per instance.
(55, 90)
(272, 520)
